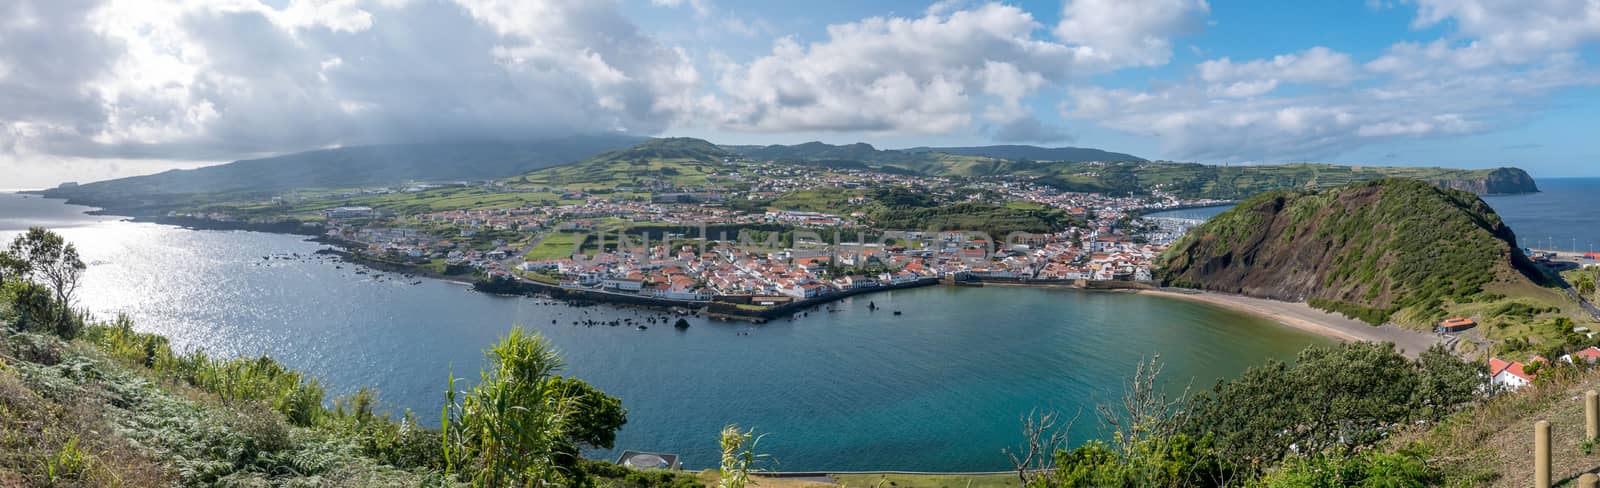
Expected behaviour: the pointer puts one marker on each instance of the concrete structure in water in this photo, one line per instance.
(648, 460)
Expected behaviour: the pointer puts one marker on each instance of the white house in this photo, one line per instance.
(623, 284)
(1511, 374)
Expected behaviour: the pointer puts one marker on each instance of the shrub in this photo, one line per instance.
(510, 429)
(1340, 469)
(68, 464)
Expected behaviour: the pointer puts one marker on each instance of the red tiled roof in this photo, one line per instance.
(1496, 365)
(1591, 353)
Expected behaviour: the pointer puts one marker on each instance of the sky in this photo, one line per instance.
(94, 89)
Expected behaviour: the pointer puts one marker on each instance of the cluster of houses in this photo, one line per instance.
(1517, 374)
(682, 273)
(730, 269)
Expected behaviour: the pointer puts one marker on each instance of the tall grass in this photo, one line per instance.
(299, 397)
(738, 456)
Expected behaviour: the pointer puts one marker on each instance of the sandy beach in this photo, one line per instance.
(1303, 317)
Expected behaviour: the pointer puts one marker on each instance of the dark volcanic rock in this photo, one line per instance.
(1501, 181)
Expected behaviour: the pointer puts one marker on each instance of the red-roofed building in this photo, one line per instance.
(1456, 324)
(1512, 374)
(1589, 355)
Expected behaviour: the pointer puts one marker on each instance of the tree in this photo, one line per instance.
(598, 415)
(1147, 447)
(52, 260)
(1584, 284)
(520, 426)
(1446, 382)
(11, 267)
(1043, 437)
(1333, 397)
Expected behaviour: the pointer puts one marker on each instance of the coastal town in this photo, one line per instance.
(703, 242)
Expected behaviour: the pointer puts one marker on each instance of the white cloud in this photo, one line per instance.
(1489, 34)
(218, 79)
(942, 72)
(1494, 71)
(1316, 65)
(1111, 34)
(923, 75)
(700, 7)
(1193, 123)
(1516, 31)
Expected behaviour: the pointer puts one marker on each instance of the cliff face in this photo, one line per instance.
(1380, 248)
(1499, 181)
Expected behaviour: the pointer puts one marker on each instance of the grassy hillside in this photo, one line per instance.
(863, 152)
(679, 161)
(896, 208)
(1387, 250)
(1090, 170)
(1491, 444)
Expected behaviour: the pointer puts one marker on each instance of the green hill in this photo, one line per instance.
(1093, 170)
(1391, 249)
(918, 156)
(679, 161)
(1233, 182)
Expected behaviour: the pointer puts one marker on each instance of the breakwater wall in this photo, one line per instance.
(716, 309)
(732, 309)
(531, 288)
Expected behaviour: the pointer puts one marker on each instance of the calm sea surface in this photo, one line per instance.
(1564, 215)
(938, 388)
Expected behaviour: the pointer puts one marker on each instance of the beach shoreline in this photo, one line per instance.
(1304, 317)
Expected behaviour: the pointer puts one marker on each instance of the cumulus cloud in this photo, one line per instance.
(1514, 31)
(1503, 60)
(1318, 65)
(1491, 34)
(1111, 34)
(204, 79)
(893, 74)
(1194, 123)
(951, 69)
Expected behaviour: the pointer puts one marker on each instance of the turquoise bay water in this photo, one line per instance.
(940, 387)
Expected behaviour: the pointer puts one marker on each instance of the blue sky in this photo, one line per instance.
(105, 88)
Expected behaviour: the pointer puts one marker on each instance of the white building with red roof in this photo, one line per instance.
(1589, 355)
(1512, 374)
